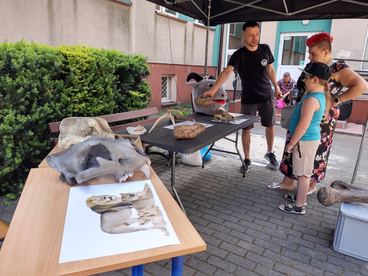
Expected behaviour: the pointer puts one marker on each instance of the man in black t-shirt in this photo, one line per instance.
(254, 64)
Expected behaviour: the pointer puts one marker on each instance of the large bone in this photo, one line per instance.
(340, 191)
(75, 130)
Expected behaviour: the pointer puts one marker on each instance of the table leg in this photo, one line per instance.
(138, 270)
(177, 266)
(237, 150)
(204, 156)
(173, 154)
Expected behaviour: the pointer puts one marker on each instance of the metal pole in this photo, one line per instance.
(360, 152)
(207, 33)
(177, 266)
(219, 64)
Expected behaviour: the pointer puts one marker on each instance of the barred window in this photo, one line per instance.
(168, 88)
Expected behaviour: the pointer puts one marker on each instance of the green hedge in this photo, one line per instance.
(40, 84)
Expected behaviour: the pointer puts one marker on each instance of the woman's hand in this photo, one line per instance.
(289, 147)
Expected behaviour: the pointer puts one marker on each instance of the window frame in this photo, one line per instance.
(164, 10)
(172, 86)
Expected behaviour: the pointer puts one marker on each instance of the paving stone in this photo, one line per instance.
(211, 239)
(233, 248)
(201, 266)
(295, 255)
(264, 270)
(222, 263)
(251, 247)
(241, 261)
(217, 251)
(326, 266)
(264, 261)
(301, 241)
(226, 237)
(242, 236)
(287, 270)
(268, 245)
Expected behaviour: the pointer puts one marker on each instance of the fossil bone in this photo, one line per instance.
(74, 130)
(339, 191)
(99, 156)
(118, 216)
(188, 131)
(167, 115)
(223, 116)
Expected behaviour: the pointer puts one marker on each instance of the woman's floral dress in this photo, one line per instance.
(328, 125)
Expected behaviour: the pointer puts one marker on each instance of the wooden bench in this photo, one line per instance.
(118, 121)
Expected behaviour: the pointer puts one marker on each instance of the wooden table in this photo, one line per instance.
(33, 242)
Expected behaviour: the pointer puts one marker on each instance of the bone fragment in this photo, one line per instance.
(339, 191)
(188, 131)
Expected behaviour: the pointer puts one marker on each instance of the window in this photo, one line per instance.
(168, 88)
(199, 22)
(364, 65)
(294, 50)
(125, 1)
(235, 36)
(166, 11)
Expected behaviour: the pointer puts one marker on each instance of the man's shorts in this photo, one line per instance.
(303, 157)
(265, 111)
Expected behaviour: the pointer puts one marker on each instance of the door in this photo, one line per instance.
(293, 54)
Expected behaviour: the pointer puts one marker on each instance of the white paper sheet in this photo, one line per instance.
(236, 122)
(236, 114)
(187, 123)
(83, 237)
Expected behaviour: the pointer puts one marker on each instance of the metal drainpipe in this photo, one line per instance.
(219, 63)
(207, 33)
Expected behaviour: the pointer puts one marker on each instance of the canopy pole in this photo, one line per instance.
(207, 33)
(365, 129)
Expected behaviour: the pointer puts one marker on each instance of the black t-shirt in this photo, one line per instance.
(252, 68)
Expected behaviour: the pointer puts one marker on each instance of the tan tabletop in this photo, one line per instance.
(32, 244)
(43, 163)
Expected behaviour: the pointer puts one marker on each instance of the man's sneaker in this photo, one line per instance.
(273, 165)
(292, 209)
(292, 198)
(247, 164)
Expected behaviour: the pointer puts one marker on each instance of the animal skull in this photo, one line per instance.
(99, 156)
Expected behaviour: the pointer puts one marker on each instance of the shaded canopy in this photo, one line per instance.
(227, 11)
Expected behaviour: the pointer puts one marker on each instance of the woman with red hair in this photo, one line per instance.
(319, 46)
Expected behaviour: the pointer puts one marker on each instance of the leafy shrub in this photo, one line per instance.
(40, 84)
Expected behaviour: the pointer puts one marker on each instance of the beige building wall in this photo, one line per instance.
(268, 34)
(134, 28)
(349, 39)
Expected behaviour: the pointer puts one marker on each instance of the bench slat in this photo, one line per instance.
(118, 117)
